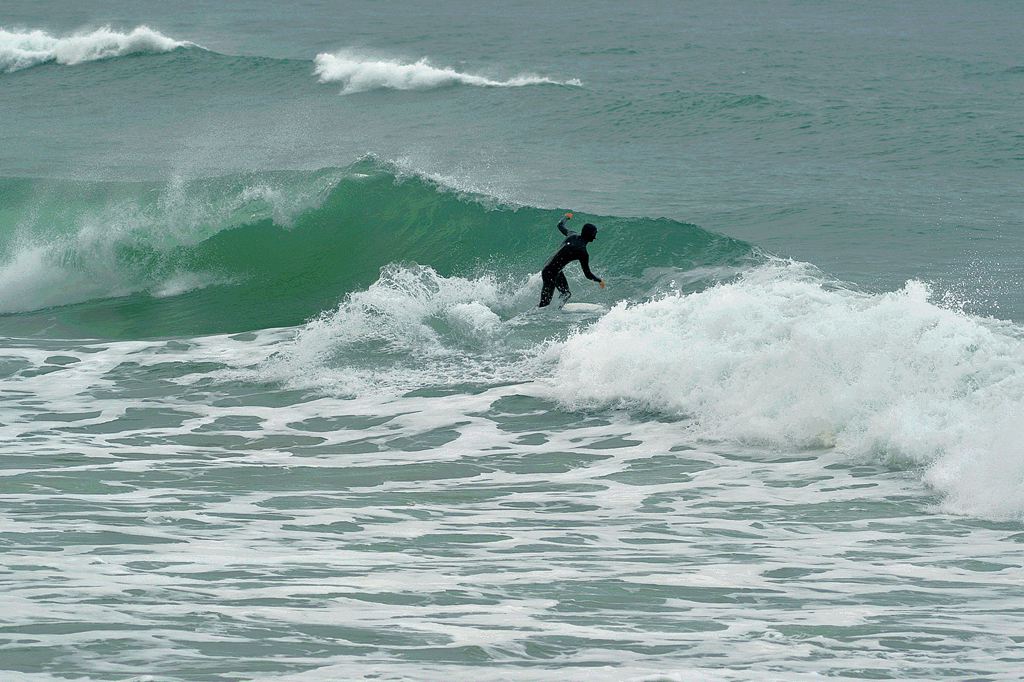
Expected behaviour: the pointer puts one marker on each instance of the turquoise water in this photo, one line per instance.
(277, 403)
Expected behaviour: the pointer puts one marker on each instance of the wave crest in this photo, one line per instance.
(359, 74)
(25, 49)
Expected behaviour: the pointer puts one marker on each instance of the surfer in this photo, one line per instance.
(573, 248)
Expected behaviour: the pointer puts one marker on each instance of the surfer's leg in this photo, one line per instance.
(563, 287)
(547, 290)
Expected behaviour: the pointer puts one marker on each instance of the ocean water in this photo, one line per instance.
(276, 401)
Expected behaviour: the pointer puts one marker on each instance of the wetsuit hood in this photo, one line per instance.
(589, 232)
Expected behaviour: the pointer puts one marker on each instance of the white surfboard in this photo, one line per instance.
(583, 308)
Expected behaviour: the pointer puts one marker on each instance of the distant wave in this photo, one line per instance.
(359, 74)
(25, 49)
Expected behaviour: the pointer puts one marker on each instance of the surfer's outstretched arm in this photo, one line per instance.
(585, 264)
(561, 224)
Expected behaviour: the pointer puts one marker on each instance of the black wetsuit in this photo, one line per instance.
(573, 248)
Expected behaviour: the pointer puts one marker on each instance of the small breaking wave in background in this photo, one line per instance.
(25, 49)
(358, 74)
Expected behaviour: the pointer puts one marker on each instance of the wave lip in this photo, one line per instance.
(359, 74)
(25, 49)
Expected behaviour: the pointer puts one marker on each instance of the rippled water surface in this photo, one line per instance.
(156, 519)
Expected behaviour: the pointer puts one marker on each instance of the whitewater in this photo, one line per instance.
(24, 49)
(359, 74)
(276, 401)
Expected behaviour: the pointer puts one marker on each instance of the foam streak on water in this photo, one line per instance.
(156, 520)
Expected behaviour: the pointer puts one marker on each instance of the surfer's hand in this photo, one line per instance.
(568, 216)
(601, 283)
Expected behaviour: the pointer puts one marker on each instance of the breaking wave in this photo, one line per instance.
(359, 74)
(783, 357)
(25, 49)
(275, 249)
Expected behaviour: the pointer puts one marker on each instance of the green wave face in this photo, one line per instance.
(229, 254)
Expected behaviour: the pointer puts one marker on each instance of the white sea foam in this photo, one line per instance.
(358, 74)
(429, 327)
(481, 520)
(24, 49)
(780, 357)
(475, 319)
